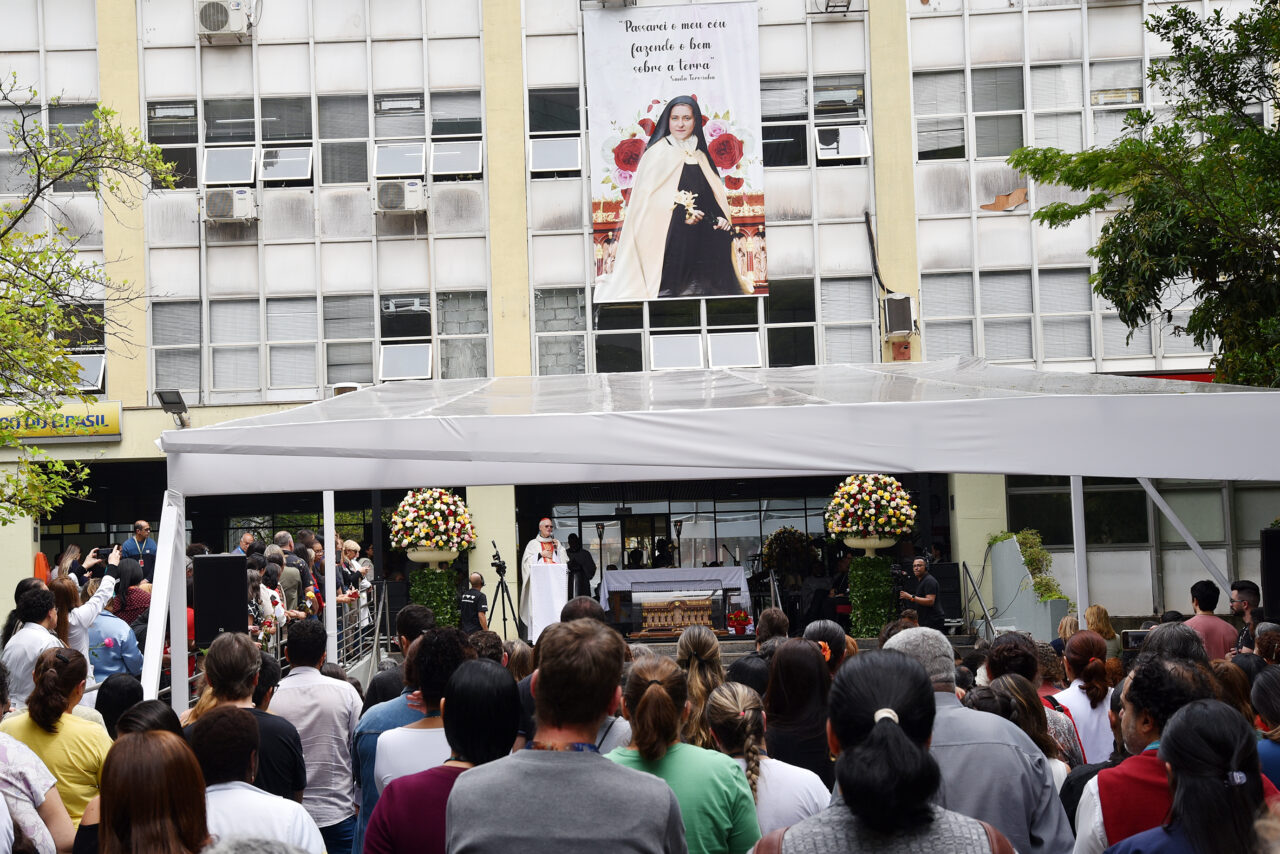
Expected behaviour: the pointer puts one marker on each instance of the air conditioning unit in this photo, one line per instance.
(899, 316)
(219, 19)
(404, 196)
(230, 204)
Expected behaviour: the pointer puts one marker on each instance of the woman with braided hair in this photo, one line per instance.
(698, 654)
(784, 794)
(715, 800)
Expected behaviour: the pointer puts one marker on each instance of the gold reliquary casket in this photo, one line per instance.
(671, 611)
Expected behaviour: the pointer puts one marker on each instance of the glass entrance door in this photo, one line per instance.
(629, 542)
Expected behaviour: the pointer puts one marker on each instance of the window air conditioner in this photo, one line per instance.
(899, 318)
(404, 196)
(222, 18)
(229, 204)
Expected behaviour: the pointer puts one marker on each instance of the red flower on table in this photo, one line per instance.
(733, 182)
(726, 151)
(628, 152)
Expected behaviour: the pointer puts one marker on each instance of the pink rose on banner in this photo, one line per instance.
(623, 178)
(715, 128)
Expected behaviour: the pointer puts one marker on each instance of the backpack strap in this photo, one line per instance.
(771, 843)
(999, 844)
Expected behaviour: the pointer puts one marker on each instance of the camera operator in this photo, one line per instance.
(474, 606)
(925, 599)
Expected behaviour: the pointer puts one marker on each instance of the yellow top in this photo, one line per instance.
(74, 755)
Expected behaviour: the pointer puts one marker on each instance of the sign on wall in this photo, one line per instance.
(677, 173)
(73, 422)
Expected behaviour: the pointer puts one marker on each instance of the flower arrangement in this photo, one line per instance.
(782, 548)
(873, 506)
(726, 143)
(432, 518)
(738, 616)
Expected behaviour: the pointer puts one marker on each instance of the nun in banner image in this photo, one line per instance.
(677, 236)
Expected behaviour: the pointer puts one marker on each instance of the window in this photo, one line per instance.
(229, 165)
(1006, 314)
(734, 349)
(348, 335)
(286, 119)
(849, 321)
(286, 164)
(402, 159)
(1115, 515)
(561, 310)
(462, 327)
(291, 348)
(555, 127)
(173, 126)
(66, 125)
(456, 150)
(946, 305)
(231, 323)
(784, 112)
(399, 116)
(405, 318)
(1066, 314)
(840, 120)
(997, 90)
(1115, 83)
(228, 120)
(669, 351)
(175, 342)
(939, 101)
(344, 131)
(456, 159)
(405, 362)
(456, 114)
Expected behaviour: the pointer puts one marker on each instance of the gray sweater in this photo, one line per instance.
(536, 801)
(835, 829)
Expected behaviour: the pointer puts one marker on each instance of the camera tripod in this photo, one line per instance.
(502, 592)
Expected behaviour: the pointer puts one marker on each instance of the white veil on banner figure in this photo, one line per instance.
(677, 174)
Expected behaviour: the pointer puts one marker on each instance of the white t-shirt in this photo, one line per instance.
(242, 811)
(786, 794)
(408, 750)
(1092, 722)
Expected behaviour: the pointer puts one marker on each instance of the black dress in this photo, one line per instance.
(699, 259)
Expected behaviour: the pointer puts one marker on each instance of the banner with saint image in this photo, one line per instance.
(677, 172)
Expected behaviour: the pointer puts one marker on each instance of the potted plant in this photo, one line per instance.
(869, 512)
(433, 526)
(738, 621)
(787, 551)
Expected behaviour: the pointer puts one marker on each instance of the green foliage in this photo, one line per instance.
(1037, 560)
(1198, 188)
(438, 590)
(45, 305)
(871, 595)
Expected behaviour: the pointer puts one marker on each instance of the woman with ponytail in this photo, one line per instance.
(72, 748)
(698, 654)
(881, 721)
(784, 794)
(715, 799)
(1212, 757)
(1088, 697)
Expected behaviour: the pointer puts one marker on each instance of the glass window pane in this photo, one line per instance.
(733, 312)
(1007, 339)
(1005, 292)
(228, 165)
(553, 111)
(406, 316)
(1064, 131)
(789, 301)
(229, 120)
(619, 316)
(675, 351)
(405, 361)
(455, 113)
(286, 164)
(1065, 290)
(178, 369)
(790, 346)
(1067, 337)
(286, 119)
(292, 366)
(847, 300)
(344, 162)
(348, 317)
(782, 100)
(348, 363)
(175, 323)
(291, 320)
(997, 89)
(399, 115)
(462, 313)
(1048, 513)
(619, 353)
(940, 139)
(343, 116)
(1115, 82)
(944, 338)
(996, 136)
(173, 122)
(1255, 509)
(554, 154)
(1115, 518)
(464, 358)
(235, 368)
(559, 310)
(734, 349)
(1056, 87)
(1199, 509)
(839, 98)
(185, 173)
(404, 158)
(938, 93)
(844, 344)
(946, 295)
(667, 313)
(561, 354)
(785, 145)
(455, 158)
(233, 321)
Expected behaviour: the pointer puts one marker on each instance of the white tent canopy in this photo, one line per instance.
(957, 415)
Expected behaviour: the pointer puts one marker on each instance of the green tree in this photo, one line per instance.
(50, 301)
(1198, 188)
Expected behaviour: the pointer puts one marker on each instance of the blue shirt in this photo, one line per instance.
(380, 718)
(1269, 758)
(144, 554)
(113, 648)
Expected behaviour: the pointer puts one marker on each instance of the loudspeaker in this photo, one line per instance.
(221, 596)
(948, 575)
(397, 596)
(1270, 561)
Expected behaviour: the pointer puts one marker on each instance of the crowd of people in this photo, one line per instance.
(583, 743)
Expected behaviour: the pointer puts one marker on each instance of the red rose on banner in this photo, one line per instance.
(626, 194)
(733, 182)
(726, 151)
(627, 153)
(648, 125)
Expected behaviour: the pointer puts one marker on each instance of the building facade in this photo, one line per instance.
(372, 190)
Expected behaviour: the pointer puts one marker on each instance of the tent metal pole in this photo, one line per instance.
(1183, 532)
(330, 580)
(168, 606)
(1078, 543)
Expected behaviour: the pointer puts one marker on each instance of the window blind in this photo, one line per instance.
(1064, 290)
(343, 116)
(291, 320)
(846, 300)
(946, 295)
(175, 323)
(1007, 338)
(233, 321)
(1067, 337)
(235, 368)
(293, 366)
(1005, 292)
(938, 93)
(996, 89)
(948, 338)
